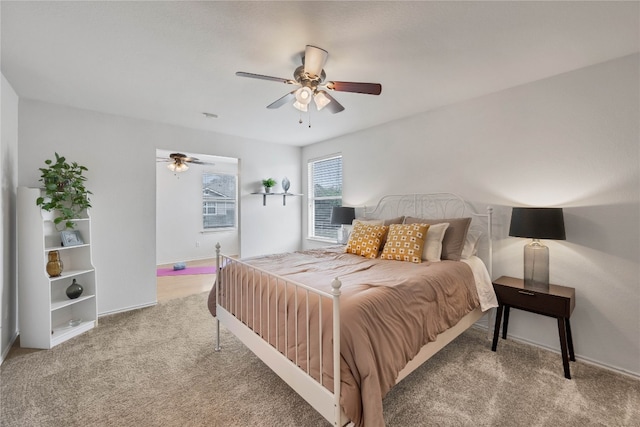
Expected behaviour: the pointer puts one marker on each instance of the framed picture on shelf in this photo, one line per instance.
(71, 238)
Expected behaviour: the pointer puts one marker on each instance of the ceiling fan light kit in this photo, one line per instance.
(178, 167)
(321, 100)
(178, 162)
(310, 76)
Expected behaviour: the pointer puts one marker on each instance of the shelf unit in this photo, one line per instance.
(47, 316)
(284, 197)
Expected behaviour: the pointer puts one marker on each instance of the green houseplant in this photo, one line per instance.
(64, 190)
(267, 184)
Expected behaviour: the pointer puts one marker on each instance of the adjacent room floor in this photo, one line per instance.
(171, 287)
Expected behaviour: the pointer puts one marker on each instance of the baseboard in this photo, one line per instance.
(122, 310)
(169, 263)
(479, 325)
(6, 350)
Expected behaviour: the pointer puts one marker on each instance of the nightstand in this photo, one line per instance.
(558, 302)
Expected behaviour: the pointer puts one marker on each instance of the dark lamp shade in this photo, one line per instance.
(341, 215)
(537, 223)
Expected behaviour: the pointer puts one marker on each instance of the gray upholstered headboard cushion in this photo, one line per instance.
(454, 237)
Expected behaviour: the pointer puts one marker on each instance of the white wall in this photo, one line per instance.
(180, 235)
(569, 141)
(8, 160)
(120, 155)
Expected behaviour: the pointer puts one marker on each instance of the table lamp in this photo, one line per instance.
(537, 223)
(342, 215)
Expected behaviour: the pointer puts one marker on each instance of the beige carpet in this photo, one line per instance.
(157, 367)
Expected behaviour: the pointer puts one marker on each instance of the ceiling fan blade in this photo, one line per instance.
(261, 77)
(367, 88)
(190, 159)
(334, 106)
(200, 162)
(314, 60)
(280, 102)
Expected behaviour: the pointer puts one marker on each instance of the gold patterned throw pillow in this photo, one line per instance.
(405, 242)
(365, 239)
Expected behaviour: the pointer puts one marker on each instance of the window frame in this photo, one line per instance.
(205, 208)
(311, 208)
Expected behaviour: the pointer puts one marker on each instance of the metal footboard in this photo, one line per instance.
(278, 319)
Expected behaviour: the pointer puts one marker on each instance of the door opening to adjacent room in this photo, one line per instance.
(196, 207)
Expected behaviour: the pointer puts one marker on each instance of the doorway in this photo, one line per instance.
(196, 208)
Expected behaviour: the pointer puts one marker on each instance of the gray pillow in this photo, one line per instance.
(454, 237)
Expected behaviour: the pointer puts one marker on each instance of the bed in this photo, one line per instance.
(342, 325)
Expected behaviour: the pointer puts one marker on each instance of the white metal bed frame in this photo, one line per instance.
(326, 402)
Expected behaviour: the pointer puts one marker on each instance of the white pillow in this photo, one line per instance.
(471, 244)
(368, 221)
(433, 245)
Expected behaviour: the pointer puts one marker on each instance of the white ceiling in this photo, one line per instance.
(171, 61)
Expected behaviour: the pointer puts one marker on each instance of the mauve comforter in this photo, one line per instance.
(388, 309)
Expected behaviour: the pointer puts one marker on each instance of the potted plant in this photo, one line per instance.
(267, 184)
(64, 191)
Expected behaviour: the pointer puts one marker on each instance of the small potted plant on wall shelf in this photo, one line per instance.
(64, 191)
(268, 184)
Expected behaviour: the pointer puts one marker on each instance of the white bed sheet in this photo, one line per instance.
(486, 294)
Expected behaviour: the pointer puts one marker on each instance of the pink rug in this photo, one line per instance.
(185, 272)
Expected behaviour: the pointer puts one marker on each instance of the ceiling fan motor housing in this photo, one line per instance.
(307, 80)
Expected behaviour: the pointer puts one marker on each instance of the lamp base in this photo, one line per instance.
(343, 235)
(536, 266)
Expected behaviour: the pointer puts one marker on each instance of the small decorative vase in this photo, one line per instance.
(267, 189)
(54, 265)
(286, 184)
(74, 290)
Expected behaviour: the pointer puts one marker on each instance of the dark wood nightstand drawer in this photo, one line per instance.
(525, 299)
(559, 301)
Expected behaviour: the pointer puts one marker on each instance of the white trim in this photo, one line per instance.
(578, 357)
(6, 351)
(125, 309)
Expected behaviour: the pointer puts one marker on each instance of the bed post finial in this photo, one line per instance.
(335, 286)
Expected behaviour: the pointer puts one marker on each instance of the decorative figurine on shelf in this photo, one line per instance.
(74, 290)
(268, 184)
(285, 184)
(54, 265)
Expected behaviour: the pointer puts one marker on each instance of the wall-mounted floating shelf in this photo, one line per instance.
(284, 197)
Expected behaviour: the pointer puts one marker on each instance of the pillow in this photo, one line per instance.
(368, 221)
(433, 245)
(405, 242)
(471, 244)
(398, 220)
(454, 237)
(365, 239)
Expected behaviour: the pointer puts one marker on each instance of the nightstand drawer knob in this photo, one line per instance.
(527, 293)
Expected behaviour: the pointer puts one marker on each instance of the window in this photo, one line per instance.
(325, 192)
(219, 201)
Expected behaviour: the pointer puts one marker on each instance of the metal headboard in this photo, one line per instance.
(438, 205)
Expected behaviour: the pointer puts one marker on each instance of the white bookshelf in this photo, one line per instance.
(47, 316)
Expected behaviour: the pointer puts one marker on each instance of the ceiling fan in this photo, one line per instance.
(178, 162)
(310, 77)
